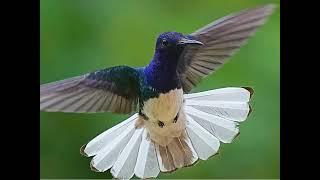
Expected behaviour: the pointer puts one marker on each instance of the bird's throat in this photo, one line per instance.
(162, 74)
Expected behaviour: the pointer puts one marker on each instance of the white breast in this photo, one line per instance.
(164, 109)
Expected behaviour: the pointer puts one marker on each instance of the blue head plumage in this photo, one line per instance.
(163, 66)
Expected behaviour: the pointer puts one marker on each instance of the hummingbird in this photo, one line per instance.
(170, 127)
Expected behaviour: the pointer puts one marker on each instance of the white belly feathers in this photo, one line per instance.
(166, 118)
(165, 107)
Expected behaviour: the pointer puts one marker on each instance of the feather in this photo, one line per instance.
(147, 163)
(221, 38)
(228, 103)
(165, 159)
(125, 164)
(105, 138)
(223, 129)
(114, 89)
(107, 156)
(204, 143)
(177, 154)
(233, 94)
(189, 154)
(233, 111)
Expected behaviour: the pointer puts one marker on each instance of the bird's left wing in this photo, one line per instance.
(113, 89)
(221, 39)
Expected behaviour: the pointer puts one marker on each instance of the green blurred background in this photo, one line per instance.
(79, 36)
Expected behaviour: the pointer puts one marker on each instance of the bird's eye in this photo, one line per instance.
(165, 43)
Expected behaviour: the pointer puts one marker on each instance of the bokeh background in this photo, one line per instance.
(79, 36)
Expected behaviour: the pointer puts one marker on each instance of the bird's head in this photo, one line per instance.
(169, 47)
(172, 43)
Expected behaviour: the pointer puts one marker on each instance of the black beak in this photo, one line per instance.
(184, 41)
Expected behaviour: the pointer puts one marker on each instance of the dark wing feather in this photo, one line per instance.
(113, 89)
(221, 39)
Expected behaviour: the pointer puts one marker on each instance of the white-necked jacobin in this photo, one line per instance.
(171, 128)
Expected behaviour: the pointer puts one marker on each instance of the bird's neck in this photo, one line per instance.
(161, 73)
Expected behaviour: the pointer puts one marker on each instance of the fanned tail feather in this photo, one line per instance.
(179, 153)
(211, 117)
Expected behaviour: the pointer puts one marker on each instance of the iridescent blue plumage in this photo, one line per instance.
(162, 73)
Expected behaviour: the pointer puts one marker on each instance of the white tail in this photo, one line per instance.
(211, 117)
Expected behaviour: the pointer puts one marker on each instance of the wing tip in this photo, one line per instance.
(147, 177)
(250, 110)
(250, 89)
(185, 166)
(236, 136)
(233, 138)
(82, 152)
(270, 6)
(170, 171)
(212, 156)
(193, 164)
(93, 168)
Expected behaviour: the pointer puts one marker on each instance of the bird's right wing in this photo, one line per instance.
(221, 40)
(113, 89)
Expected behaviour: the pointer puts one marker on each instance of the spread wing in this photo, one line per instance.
(113, 89)
(222, 38)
